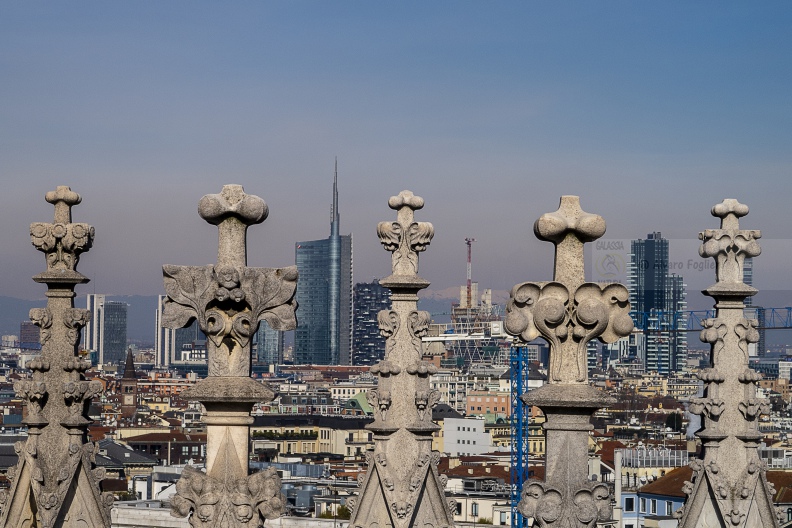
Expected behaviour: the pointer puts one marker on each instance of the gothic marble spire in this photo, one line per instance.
(729, 485)
(55, 484)
(401, 487)
(229, 300)
(568, 313)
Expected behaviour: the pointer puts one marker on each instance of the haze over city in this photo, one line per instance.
(490, 112)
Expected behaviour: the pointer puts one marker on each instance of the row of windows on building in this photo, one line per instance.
(629, 506)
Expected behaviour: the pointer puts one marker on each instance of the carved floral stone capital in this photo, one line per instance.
(547, 506)
(729, 245)
(568, 322)
(62, 241)
(405, 238)
(214, 503)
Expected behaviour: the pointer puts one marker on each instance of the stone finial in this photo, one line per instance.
(729, 486)
(405, 238)
(568, 229)
(402, 487)
(63, 198)
(55, 482)
(729, 245)
(229, 300)
(568, 312)
(62, 241)
(232, 211)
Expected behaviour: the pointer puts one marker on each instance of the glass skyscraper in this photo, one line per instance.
(114, 333)
(661, 297)
(269, 345)
(367, 344)
(324, 296)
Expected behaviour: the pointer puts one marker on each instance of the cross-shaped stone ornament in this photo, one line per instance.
(569, 228)
(232, 211)
(63, 198)
(229, 299)
(568, 312)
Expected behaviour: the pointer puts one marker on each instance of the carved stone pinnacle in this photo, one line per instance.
(729, 484)
(229, 300)
(402, 487)
(730, 211)
(63, 198)
(730, 245)
(55, 482)
(569, 228)
(232, 211)
(405, 238)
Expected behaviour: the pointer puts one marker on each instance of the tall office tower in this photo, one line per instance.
(748, 278)
(92, 335)
(112, 348)
(269, 345)
(191, 336)
(754, 312)
(29, 336)
(163, 344)
(368, 346)
(324, 296)
(661, 296)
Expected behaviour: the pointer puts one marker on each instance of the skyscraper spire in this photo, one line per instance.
(336, 217)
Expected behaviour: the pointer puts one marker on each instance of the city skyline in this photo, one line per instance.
(488, 112)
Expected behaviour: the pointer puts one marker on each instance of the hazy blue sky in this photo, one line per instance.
(651, 112)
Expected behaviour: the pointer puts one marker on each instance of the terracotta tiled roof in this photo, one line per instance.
(607, 447)
(671, 484)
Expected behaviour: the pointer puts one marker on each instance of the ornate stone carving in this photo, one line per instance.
(229, 502)
(567, 312)
(401, 487)
(405, 239)
(229, 300)
(546, 505)
(729, 485)
(54, 483)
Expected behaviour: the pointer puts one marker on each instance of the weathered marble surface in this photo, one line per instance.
(568, 313)
(401, 487)
(729, 485)
(55, 484)
(229, 301)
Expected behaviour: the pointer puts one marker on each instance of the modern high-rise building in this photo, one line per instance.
(105, 335)
(169, 345)
(163, 344)
(112, 348)
(29, 336)
(269, 345)
(660, 297)
(368, 346)
(324, 296)
(754, 312)
(92, 334)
